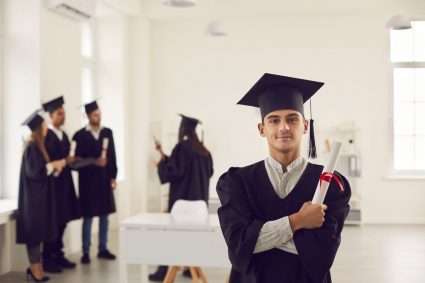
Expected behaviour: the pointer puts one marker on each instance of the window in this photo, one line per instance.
(88, 62)
(408, 68)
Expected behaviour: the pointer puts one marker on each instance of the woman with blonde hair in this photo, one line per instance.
(36, 219)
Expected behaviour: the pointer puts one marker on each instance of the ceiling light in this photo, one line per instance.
(179, 3)
(215, 29)
(399, 22)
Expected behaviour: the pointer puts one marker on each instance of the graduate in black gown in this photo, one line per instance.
(272, 230)
(58, 148)
(96, 180)
(188, 170)
(36, 220)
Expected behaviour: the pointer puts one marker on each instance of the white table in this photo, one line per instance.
(155, 239)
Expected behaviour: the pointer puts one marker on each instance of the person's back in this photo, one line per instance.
(188, 171)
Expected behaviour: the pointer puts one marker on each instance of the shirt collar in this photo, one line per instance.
(276, 165)
(90, 129)
(58, 132)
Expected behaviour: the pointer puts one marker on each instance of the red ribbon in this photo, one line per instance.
(327, 177)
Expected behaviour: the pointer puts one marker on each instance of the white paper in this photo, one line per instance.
(105, 147)
(72, 149)
(320, 193)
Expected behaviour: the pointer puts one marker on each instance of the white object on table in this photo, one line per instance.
(320, 193)
(189, 211)
(156, 239)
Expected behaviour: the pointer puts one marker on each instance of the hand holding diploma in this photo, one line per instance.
(328, 174)
(158, 147)
(105, 144)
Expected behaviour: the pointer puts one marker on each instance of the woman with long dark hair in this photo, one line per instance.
(188, 171)
(36, 219)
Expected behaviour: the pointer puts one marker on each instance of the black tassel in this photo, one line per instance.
(312, 146)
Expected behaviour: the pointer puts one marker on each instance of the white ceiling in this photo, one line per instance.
(275, 8)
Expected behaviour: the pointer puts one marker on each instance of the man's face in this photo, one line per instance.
(58, 117)
(284, 130)
(94, 117)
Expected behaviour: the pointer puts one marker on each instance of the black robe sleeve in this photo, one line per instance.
(317, 247)
(211, 168)
(237, 221)
(35, 168)
(112, 159)
(172, 168)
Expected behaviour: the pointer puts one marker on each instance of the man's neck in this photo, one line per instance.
(57, 127)
(94, 127)
(284, 158)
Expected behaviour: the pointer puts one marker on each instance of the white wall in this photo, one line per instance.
(205, 77)
(139, 167)
(21, 85)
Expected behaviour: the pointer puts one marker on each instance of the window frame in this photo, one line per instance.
(413, 174)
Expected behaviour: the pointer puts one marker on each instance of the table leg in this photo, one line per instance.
(122, 257)
(144, 273)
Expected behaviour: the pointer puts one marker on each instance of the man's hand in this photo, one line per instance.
(58, 165)
(70, 160)
(113, 184)
(310, 216)
(101, 162)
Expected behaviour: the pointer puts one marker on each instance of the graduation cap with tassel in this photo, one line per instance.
(274, 92)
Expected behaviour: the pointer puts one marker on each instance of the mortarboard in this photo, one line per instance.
(90, 107)
(34, 120)
(274, 92)
(188, 122)
(53, 104)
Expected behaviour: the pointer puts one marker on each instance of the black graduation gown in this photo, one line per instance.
(66, 199)
(249, 200)
(188, 173)
(36, 220)
(95, 192)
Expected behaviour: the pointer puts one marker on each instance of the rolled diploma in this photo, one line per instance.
(72, 149)
(105, 147)
(320, 193)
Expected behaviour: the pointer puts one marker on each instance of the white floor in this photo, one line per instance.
(370, 253)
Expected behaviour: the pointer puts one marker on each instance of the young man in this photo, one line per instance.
(97, 180)
(273, 232)
(67, 206)
(188, 170)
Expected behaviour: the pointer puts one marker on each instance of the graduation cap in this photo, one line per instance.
(190, 124)
(33, 121)
(90, 107)
(53, 104)
(274, 92)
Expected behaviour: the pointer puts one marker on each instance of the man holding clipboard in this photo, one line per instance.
(97, 171)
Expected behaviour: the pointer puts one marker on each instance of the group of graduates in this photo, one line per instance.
(47, 197)
(273, 231)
